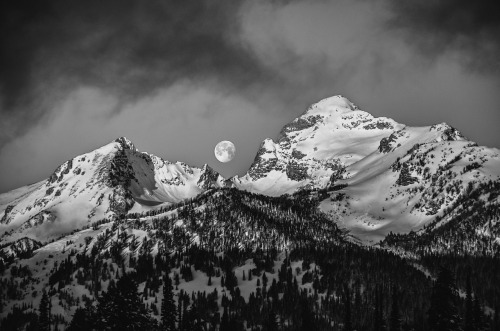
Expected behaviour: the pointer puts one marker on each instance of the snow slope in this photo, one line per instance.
(105, 183)
(382, 176)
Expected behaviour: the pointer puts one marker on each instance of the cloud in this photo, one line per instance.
(124, 47)
(168, 71)
(132, 49)
(468, 28)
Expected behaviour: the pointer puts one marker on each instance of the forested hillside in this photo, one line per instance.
(232, 260)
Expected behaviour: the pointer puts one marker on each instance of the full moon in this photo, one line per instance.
(224, 151)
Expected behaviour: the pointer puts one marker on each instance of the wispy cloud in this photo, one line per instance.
(204, 64)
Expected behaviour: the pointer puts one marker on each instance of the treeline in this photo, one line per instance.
(342, 287)
(265, 264)
(467, 227)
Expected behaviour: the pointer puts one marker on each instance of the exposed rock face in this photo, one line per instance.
(104, 183)
(386, 143)
(405, 178)
(296, 171)
(208, 178)
(5, 216)
(22, 248)
(314, 146)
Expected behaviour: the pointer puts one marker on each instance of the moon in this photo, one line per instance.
(224, 151)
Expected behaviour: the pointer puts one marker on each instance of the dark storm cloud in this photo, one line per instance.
(126, 47)
(75, 74)
(471, 28)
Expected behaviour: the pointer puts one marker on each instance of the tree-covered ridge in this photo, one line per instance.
(230, 218)
(469, 226)
(236, 261)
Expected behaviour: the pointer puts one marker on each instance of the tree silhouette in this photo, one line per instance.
(168, 309)
(347, 309)
(81, 321)
(121, 308)
(271, 322)
(468, 306)
(443, 315)
(379, 322)
(395, 322)
(44, 320)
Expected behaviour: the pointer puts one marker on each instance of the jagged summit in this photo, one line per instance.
(309, 150)
(126, 143)
(377, 162)
(110, 181)
(449, 133)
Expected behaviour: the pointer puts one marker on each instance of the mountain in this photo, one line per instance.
(330, 135)
(382, 176)
(339, 215)
(108, 182)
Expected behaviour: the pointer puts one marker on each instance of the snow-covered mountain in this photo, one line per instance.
(116, 210)
(329, 136)
(382, 176)
(386, 176)
(105, 183)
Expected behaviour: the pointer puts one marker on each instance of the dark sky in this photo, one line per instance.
(178, 76)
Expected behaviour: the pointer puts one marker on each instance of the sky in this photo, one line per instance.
(177, 76)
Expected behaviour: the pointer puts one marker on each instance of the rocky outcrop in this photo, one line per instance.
(208, 178)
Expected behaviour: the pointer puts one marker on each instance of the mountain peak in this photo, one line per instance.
(449, 133)
(336, 104)
(125, 143)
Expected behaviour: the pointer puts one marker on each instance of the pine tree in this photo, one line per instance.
(44, 313)
(224, 324)
(33, 325)
(121, 308)
(379, 321)
(168, 309)
(308, 322)
(271, 322)
(395, 322)
(443, 315)
(468, 306)
(188, 321)
(179, 310)
(496, 319)
(80, 321)
(347, 309)
(377, 313)
(477, 314)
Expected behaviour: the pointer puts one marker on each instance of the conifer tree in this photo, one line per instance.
(271, 322)
(478, 314)
(308, 322)
(80, 321)
(224, 324)
(44, 320)
(347, 309)
(377, 313)
(468, 306)
(395, 322)
(443, 315)
(496, 319)
(121, 308)
(168, 309)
